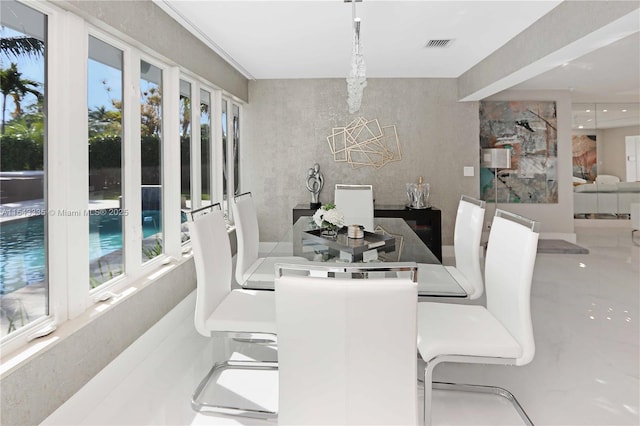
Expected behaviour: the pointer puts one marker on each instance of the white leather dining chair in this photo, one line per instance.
(356, 204)
(346, 349)
(501, 333)
(248, 264)
(466, 246)
(222, 312)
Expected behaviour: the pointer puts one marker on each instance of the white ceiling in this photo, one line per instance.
(604, 85)
(608, 74)
(313, 39)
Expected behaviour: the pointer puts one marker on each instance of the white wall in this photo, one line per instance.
(613, 159)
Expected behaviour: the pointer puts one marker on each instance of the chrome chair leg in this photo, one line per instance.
(494, 390)
(205, 407)
(428, 392)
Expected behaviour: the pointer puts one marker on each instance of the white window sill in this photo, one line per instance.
(26, 352)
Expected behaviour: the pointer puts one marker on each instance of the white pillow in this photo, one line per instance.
(610, 179)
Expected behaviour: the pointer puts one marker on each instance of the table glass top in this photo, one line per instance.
(304, 239)
(392, 241)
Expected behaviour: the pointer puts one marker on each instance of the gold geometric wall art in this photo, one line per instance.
(364, 143)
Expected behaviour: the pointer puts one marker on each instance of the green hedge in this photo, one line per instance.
(104, 153)
(18, 154)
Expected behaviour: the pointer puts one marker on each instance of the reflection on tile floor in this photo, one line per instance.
(585, 372)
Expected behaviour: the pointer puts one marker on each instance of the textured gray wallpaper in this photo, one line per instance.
(287, 122)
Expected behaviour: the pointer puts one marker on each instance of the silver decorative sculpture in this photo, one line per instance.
(315, 182)
(418, 194)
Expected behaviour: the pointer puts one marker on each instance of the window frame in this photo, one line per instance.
(215, 136)
(67, 163)
(194, 186)
(100, 292)
(53, 198)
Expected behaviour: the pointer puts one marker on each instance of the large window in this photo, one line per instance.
(205, 146)
(151, 156)
(230, 120)
(185, 144)
(89, 142)
(23, 168)
(235, 150)
(225, 154)
(185, 155)
(105, 212)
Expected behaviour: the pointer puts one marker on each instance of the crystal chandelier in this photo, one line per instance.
(357, 79)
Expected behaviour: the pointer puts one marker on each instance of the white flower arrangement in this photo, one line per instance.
(328, 216)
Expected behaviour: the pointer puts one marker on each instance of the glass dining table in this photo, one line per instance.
(393, 241)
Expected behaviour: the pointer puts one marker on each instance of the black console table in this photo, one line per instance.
(426, 223)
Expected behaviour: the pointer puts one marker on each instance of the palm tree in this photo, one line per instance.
(103, 120)
(22, 46)
(15, 86)
(97, 119)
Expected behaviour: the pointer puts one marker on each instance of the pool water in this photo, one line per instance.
(22, 251)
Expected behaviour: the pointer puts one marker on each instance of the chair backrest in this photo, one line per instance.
(466, 242)
(356, 203)
(247, 233)
(511, 256)
(346, 350)
(212, 256)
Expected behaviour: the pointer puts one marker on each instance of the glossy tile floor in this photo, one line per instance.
(585, 372)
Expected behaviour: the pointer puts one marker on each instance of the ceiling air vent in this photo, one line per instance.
(439, 43)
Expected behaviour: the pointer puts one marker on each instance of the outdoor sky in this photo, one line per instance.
(100, 76)
(32, 69)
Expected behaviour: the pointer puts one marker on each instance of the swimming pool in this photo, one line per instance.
(22, 251)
